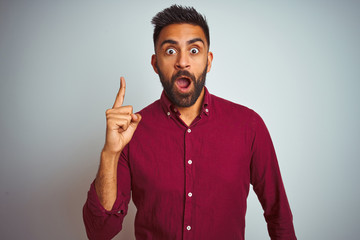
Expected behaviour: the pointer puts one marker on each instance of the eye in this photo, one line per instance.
(194, 50)
(170, 51)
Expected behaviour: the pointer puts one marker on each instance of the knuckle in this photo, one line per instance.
(128, 108)
(110, 121)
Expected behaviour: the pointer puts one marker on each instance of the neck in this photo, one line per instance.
(188, 114)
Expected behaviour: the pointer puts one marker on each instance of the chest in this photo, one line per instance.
(165, 157)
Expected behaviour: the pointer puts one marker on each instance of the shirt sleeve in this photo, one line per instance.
(103, 224)
(268, 185)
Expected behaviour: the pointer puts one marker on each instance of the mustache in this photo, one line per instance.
(183, 73)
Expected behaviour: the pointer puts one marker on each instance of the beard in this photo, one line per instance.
(178, 98)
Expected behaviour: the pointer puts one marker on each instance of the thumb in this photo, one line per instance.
(135, 119)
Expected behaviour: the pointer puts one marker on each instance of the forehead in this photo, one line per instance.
(181, 33)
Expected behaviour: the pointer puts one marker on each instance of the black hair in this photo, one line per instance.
(179, 14)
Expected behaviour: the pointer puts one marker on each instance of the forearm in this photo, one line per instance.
(106, 179)
(99, 223)
(108, 197)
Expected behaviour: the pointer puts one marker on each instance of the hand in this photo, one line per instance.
(121, 123)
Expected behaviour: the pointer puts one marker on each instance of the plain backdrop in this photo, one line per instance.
(296, 63)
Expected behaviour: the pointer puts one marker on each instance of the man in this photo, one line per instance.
(192, 155)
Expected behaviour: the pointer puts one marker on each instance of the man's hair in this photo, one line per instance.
(179, 14)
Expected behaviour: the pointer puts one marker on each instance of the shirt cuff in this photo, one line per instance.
(97, 209)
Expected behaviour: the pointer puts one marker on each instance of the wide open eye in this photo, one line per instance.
(194, 50)
(170, 51)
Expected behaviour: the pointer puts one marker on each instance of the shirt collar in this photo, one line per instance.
(169, 107)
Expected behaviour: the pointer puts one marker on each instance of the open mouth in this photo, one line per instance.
(183, 82)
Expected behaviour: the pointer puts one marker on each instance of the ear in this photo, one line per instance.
(209, 60)
(154, 63)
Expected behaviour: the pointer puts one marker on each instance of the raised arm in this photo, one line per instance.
(121, 124)
(109, 195)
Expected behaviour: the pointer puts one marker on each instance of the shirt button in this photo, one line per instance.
(190, 162)
(206, 110)
(188, 228)
(168, 113)
(189, 130)
(190, 194)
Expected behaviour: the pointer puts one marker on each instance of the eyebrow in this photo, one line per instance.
(195, 40)
(191, 41)
(168, 41)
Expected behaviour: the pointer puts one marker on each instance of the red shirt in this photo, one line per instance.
(192, 182)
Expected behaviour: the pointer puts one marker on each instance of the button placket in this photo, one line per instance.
(188, 183)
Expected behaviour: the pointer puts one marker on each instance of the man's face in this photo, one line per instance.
(182, 61)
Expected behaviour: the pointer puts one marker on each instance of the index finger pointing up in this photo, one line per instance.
(121, 94)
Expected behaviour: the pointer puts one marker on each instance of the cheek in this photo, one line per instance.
(165, 66)
(200, 68)
(162, 64)
(202, 61)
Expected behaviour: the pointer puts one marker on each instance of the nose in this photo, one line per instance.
(183, 61)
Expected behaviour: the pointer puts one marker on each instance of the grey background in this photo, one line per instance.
(294, 62)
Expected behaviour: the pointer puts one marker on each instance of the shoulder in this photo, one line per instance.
(224, 105)
(149, 110)
(236, 111)
(152, 116)
(151, 113)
